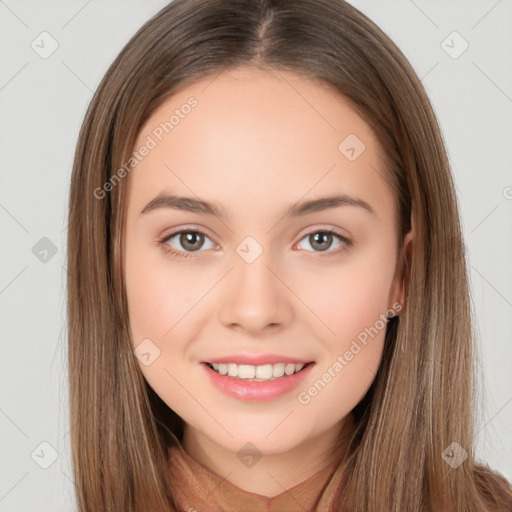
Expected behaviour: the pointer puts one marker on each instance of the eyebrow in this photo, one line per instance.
(191, 204)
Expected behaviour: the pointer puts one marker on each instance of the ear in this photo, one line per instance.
(399, 285)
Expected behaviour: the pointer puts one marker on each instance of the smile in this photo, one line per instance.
(256, 383)
(256, 373)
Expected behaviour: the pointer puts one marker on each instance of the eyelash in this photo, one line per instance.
(184, 254)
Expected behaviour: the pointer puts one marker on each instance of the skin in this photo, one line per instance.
(257, 142)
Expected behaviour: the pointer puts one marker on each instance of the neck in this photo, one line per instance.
(274, 472)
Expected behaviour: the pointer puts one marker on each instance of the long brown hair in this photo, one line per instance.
(422, 398)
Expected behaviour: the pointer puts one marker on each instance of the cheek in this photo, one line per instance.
(157, 297)
(350, 298)
(160, 306)
(146, 304)
(352, 306)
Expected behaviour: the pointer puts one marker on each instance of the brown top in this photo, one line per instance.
(199, 489)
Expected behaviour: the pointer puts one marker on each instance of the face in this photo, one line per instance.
(266, 275)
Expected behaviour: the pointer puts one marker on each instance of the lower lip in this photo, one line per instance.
(254, 391)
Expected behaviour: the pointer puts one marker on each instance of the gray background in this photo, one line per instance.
(42, 104)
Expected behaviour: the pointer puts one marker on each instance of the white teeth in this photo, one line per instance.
(278, 369)
(263, 372)
(289, 369)
(246, 371)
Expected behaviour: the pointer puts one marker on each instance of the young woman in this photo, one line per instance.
(268, 301)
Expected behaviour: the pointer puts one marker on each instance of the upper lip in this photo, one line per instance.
(257, 360)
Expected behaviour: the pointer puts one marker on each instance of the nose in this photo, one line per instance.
(255, 297)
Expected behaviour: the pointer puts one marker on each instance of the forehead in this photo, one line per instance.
(258, 133)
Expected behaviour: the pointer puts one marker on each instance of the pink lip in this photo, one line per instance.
(257, 360)
(254, 391)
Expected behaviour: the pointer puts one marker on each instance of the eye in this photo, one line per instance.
(193, 240)
(322, 240)
(189, 240)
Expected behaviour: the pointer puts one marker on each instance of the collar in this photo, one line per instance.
(199, 489)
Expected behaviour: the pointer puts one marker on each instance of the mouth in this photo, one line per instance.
(260, 373)
(257, 383)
